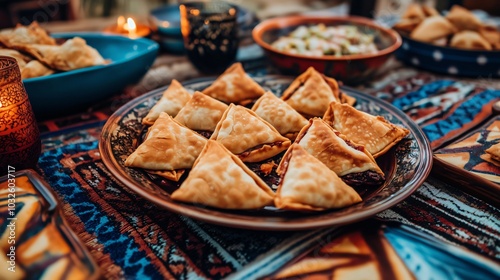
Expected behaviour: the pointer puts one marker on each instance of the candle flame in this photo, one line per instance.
(195, 12)
(130, 26)
(120, 21)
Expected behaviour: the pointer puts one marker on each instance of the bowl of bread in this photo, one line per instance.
(457, 42)
(68, 72)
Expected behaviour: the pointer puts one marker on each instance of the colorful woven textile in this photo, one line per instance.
(131, 238)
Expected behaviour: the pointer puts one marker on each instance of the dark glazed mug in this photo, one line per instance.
(210, 33)
(20, 144)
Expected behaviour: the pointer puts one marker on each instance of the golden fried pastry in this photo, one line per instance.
(29, 68)
(490, 34)
(407, 24)
(463, 19)
(432, 28)
(311, 92)
(279, 114)
(429, 11)
(201, 112)
(220, 179)
(34, 69)
(234, 86)
(460, 28)
(352, 162)
(24, 35)
(494, 151)
(73, 54)
(171, 102)
(374, 132)
(20, 58)
(248, 136)
(168, 146)
(470, 40)
(414, 11)
(307, 184)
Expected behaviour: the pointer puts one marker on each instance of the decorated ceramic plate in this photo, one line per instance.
(406, 166)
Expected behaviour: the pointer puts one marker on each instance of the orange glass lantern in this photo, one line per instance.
(19, 135)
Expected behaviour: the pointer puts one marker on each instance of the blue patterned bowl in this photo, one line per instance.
(451, 61)
(71, 91)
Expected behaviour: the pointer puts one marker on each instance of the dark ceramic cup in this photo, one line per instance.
(210, 33)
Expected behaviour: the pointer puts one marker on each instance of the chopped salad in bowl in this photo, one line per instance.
(350, 49)
(320, 39)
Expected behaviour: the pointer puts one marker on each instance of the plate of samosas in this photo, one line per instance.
(457, 43)
(271, 152)
(67, 71)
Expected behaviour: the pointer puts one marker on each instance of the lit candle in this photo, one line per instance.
(131, 28)
(120, 23)
(128, 28)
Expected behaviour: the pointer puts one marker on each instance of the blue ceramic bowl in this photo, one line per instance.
(168, 44)
(68, 92)
(451, 61)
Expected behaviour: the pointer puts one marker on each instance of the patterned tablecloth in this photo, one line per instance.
(130, 238)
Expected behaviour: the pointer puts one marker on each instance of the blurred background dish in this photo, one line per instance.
(75, 90)
(457, 41)
(350, 69)
(451, 61)
(165, 20)
(210, 34)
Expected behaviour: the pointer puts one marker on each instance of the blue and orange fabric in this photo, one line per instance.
(131, 238)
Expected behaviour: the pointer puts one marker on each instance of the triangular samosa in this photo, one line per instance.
(282, 116)
(248, 136)
(220, 179)
(201, 112)
(307, 184)
(350, 161)
(234, 86)
(171, 102)
(311, 92)
(374, 132)
(169, 146)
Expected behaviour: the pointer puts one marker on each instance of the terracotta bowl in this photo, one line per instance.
(350, 69)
